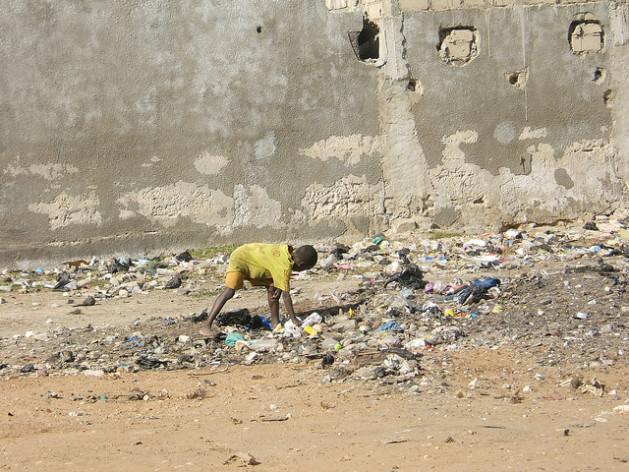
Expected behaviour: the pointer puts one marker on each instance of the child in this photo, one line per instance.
(270, 265)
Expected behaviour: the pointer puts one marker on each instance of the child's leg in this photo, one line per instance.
(233, 281)
(216, 309)
(273, 296)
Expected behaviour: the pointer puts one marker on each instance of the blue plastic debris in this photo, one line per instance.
(390, 326)
(487, 283)
(140, 343)
(233, 337)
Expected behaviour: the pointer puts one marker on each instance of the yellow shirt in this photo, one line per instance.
(263, 264)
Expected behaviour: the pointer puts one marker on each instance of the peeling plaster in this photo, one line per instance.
(348, 197)
(266, 147)
(585, 173)
(210, 164)
(347, 149)
(529, 133)
(404, 163)
(165, 205)
(253, 207)
(558, 182)
(67, 209)
(505, 132)
(452, 153)
(49, 171)
(340, 4)
(619, 22)
(587, 35)
(457, 183)
(154, 160)
(459, 46)
(14, 171)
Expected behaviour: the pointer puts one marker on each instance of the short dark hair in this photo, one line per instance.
(307, 255)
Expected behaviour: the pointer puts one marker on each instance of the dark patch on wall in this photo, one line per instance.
(447, 217)
(369, 41)
(361, 223)
(366, 43)
(599, 75)
(562, 178)
(518, 79)
(608, 98)
(526, 159)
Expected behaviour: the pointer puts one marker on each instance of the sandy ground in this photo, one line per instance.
(280, 417)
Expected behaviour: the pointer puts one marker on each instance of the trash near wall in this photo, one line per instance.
(155, 126)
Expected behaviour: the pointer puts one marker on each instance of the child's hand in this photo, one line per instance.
(275, 293)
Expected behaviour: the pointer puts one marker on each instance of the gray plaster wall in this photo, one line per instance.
(146, 126)
(135, 125)
(523, 131)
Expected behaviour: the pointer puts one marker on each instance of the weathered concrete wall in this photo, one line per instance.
(148, 124)
(619, 82)
(518, 128)
(499, 116)
(145, 125)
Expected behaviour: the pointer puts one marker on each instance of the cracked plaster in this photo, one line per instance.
(473, 193)
(67, 210)
(49, 171)
(347, 149)
(166, 205)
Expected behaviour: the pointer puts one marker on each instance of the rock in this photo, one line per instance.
(365, 373)
(241, 459)
(328, 344)
(173, 283)
(416, 344)
(93, 373)
(621, 410)
(264, 345)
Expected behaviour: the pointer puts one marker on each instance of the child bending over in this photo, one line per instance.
(270, 265)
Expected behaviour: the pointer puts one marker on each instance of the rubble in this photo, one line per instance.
(558, 292)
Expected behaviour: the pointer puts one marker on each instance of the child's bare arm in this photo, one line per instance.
(288, 303)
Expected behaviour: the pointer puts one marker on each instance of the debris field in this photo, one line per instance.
(555, 294)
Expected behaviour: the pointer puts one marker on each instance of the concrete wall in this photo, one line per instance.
(522, 131)
(161, 125)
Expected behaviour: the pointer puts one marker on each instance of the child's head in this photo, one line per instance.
(305, 258)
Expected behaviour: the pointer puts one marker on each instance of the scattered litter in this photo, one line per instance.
(426, 298)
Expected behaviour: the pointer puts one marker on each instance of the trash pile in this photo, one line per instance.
(560, 289)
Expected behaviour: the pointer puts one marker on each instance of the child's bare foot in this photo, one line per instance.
(205, 331)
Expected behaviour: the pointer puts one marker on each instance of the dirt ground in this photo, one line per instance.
(282, 417)
(490, 406)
